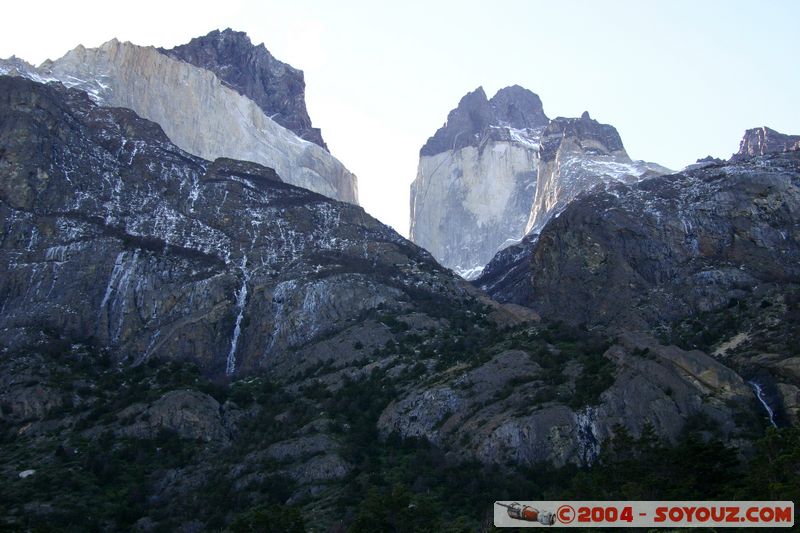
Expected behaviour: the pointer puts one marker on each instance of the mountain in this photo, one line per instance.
(760, 141)
(191, 344)
(476, 178)
(277, 88)
(576, 155)
(499, 169)
(677, 244)
(198, 111)
(114, 234)
(707, 258)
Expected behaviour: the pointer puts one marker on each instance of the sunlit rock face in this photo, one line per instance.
(499, 169)
(197, 111)
(764, 140)
(477, 177)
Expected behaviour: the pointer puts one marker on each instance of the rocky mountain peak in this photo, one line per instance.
(199, 108)
(465, 122)
(469, 123)
(499, 169)
(764, 140)
(518, 107)
(229, 34)
(15, 66)
(276, 87)
(589, 134)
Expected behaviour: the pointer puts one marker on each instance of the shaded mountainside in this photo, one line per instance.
(277, 88)
(499, 169)
(138, 283)
(198, 112)
(706, 259)
(666, 248)
(114, 234)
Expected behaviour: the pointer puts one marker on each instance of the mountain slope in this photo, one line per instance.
(190, 345)
(707, 258)
(196, 110)
(113, 233)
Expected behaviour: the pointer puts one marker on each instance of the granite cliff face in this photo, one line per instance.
(477, 177)
(197, 111)
(277, 88)
(499, 169)
(110, 232)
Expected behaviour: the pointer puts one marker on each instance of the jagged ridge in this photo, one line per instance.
(197, 111)
(277, 88)
(499, 169)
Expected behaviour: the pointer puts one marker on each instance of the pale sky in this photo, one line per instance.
(679, 79)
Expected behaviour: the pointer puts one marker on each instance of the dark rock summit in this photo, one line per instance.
(593, 137)
(470, 123)
(277, 88)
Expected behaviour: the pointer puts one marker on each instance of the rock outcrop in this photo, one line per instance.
(187, 413)
(110, 232)
(508, 410)
(760, 141)
(197, 111)
(277, 88)
(499, 169)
